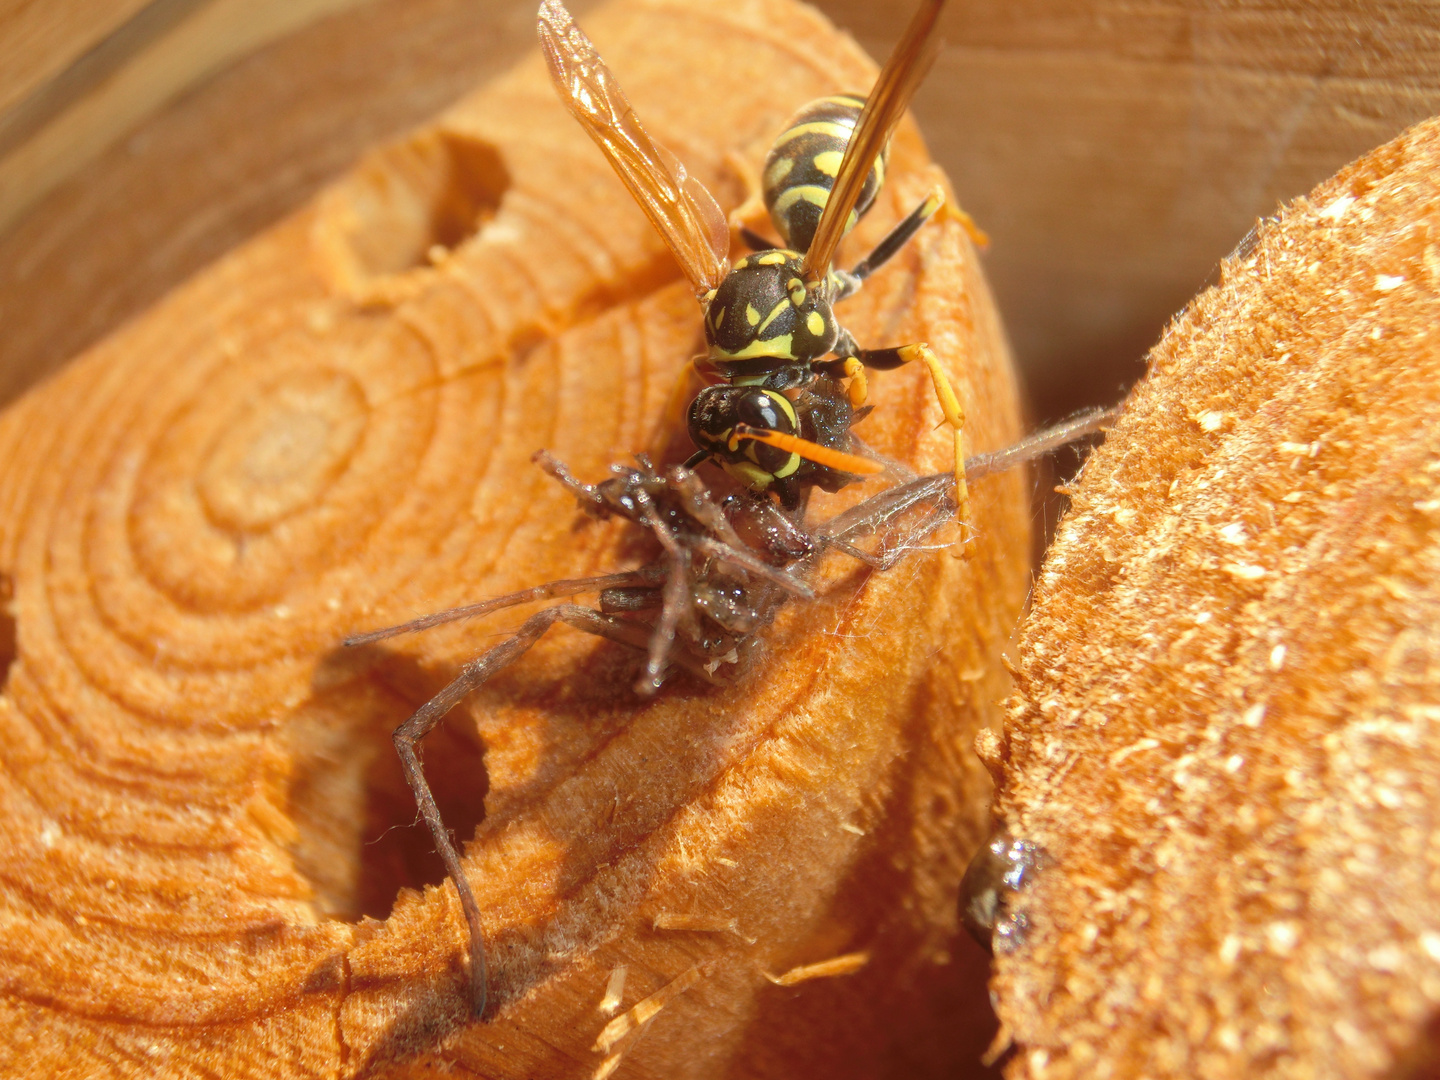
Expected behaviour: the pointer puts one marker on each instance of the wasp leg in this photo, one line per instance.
(898, 356)
(894, 240)
(752, 208)
(978, 236)
(473, 674)
(846, 366)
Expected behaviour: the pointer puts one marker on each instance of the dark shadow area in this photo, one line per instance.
(1421, 1060)
(921, 1018)
(360, 838)
(7, 628)
(397, 851)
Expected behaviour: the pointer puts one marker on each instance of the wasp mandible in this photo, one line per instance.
(769, 321)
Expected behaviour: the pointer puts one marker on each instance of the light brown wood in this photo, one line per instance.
(64, 124)
(235, 155)
(1226, 736)
(40, 41)
(1115, 152)
(209, 861)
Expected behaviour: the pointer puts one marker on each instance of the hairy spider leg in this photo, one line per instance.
(646, 575)
(869, 516)
(408, 735)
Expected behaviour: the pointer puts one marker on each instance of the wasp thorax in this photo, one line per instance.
(763, 315)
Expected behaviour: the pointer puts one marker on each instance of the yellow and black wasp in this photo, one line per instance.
(769, 321)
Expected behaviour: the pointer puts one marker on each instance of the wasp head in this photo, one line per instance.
(719, 410)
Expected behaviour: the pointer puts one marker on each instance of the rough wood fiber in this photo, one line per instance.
(1227, 738)
(202, 827)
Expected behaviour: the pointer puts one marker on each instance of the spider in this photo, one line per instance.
(728, 562)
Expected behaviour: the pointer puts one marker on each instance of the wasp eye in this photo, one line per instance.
(759, 409)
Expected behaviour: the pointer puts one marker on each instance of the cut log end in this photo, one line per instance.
(1225, 742)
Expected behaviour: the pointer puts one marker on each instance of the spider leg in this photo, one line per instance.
(738, 557)
(646, 575)
(700, 504)
(894, 548)
(1079, 426)
(937, 489)
(677, 597)
(587, 494)
(473, 674)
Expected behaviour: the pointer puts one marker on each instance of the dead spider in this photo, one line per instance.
(727, 564)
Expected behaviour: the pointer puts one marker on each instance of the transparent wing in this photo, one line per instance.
(677, 204)
(887, 102)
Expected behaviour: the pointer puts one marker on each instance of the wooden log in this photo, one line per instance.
(1225, 741)
(210, 863)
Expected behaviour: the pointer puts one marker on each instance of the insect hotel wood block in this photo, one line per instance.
(1227, 737)
(210, 863)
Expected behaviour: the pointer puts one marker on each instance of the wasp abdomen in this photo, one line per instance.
(801, 167)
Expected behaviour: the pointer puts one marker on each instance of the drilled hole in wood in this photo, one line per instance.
(357, 838)
(409, 205)
(397, 850)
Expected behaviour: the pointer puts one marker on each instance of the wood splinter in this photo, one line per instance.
(614, 991)
(836, 966)
(635, 1018)
(705, 924)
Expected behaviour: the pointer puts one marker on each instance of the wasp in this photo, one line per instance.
(769, 320)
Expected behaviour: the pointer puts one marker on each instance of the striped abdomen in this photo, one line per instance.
(800, 168)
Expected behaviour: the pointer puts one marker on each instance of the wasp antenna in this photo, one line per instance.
(811, 451)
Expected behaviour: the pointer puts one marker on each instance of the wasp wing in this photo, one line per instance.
(887, 102)
(677, 204)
